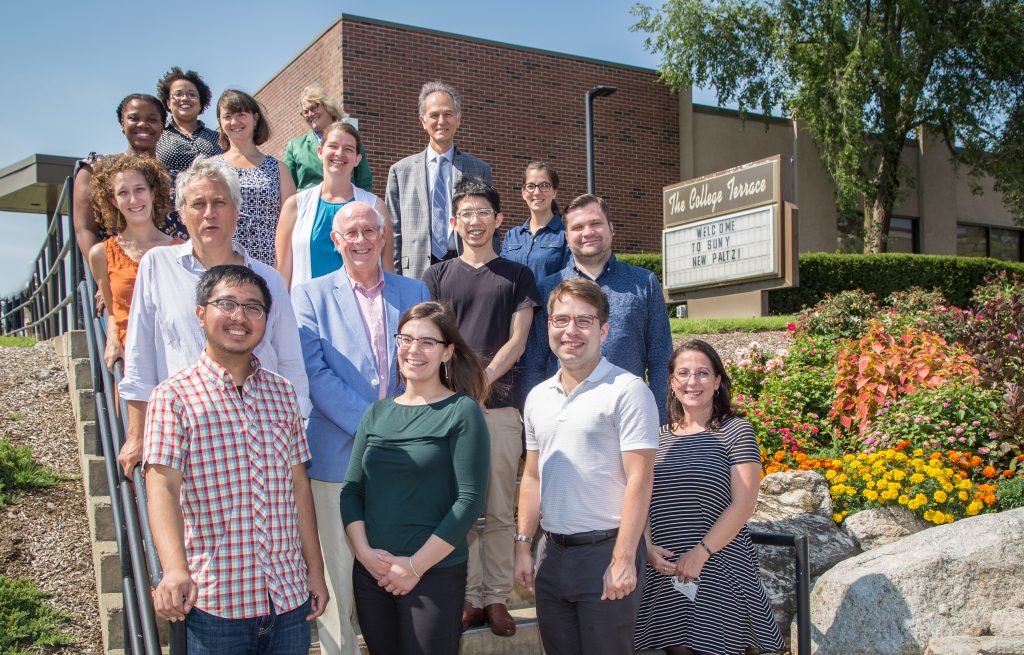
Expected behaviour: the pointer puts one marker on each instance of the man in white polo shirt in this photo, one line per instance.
(591, 435)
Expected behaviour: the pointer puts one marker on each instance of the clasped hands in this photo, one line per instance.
(391, 572)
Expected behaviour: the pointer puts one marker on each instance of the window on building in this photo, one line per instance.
(983, 241)
(971, 241)
(902, 235)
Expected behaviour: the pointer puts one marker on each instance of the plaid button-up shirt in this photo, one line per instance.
(235, 451)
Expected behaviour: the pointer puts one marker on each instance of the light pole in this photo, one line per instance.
(596, 92)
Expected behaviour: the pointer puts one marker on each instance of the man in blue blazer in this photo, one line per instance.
(347, 322)
(419, 191)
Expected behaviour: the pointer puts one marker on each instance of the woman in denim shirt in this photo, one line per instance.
(539, 243)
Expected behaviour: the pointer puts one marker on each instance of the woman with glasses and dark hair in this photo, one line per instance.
(142, 118)
(706, 477)
(265, 181)
(304, 247)
(131, 194)
(185, 137)
(416, 483)
(539, 243)
(301, 156)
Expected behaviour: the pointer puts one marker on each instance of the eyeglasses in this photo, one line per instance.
(427, 344)
(543, 186)
(181, 95)
(352, 236)
(683, 376)
(582, 321)
(252, 310)
(467, 215)
(310, 110)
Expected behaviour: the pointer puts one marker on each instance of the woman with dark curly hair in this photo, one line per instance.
(131, 194)
(185, 137)
(706, 477)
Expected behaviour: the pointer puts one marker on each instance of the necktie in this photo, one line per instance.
(439, 211)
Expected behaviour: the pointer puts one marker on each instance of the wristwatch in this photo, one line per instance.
(523, 537)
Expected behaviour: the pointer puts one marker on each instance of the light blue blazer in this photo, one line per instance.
(340, 363)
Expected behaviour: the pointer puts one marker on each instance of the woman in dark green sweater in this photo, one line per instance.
(415, 485)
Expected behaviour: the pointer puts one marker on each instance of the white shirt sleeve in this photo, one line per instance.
(140, 356)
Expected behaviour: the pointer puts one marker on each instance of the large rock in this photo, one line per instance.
(883, 525)
(798, 503)
(943, 582)
(1007, 622)
(976, 646)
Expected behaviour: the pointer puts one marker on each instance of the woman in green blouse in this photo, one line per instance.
(319, 110)
(415, 485)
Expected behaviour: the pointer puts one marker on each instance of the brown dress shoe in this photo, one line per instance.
(501, 622)
(472, 616)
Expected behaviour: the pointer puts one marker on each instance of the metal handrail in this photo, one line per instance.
(48, 306)
(802, 560)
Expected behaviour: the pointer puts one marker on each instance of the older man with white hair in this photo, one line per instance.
(347, 322)
(164, 335)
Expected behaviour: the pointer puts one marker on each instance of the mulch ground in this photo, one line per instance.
(44, 533)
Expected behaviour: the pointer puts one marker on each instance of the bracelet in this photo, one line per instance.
(413, 568)
(524, 538)
(705, 547)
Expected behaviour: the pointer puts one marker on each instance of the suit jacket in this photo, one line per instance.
(408, 201)
(307, 170)
(340, 362)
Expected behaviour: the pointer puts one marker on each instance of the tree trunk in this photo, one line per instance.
(878, 206)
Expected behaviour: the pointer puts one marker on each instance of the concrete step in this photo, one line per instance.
(95, 473)
(101, 519)
(88, 438)
(481, 641)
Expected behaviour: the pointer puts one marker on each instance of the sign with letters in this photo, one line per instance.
(724, 229)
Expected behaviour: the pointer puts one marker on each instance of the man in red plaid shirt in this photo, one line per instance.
(229, 499)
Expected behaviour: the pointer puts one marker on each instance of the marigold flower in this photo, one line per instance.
(939, 496)
(871, 494)
(989, 471)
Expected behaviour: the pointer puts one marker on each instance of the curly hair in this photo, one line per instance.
(101, 190)
(163, 87)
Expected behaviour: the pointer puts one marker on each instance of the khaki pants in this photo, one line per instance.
(491, 550)
(337, 637)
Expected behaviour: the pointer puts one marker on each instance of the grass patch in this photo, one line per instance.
(17, 342)
(15, 416)
(682, 326)
(18, 471)
(27, 622)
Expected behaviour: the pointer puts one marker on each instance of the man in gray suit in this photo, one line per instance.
(419, 191)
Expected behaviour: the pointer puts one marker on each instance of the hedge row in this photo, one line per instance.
(824, 273)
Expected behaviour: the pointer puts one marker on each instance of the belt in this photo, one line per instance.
(582, 538)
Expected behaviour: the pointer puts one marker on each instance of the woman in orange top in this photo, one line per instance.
(131, 194)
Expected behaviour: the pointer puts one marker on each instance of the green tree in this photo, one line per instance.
(863, 76)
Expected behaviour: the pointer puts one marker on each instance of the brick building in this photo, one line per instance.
(519, 104)
(522, 104)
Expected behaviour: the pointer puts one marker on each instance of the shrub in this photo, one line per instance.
(822, 274)
(749, 366)
(649, 260)
(17, 470)
(928, 311)
(1010, 493)
(880, 367)
(1008, 437)
(27, 622)
(958, 416)
(997, 339)
(839, 317)
(780, 426)
(1002, 283)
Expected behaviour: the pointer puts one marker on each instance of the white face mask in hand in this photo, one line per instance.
(688, 589)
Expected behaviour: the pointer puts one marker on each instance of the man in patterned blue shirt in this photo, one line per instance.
(639, 337)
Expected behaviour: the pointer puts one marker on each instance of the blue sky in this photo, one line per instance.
(76, 59)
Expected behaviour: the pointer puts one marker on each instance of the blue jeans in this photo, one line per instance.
(274, 634)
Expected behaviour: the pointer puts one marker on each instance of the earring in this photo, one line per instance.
(447, 372)
(716, 391)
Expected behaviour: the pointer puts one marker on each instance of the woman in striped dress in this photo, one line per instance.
(706, 479)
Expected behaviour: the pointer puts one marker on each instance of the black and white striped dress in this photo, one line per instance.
(691, 490)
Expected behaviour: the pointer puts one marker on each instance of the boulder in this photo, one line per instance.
(1007, 622)
(798, 503)
(945, 581)
(976, 646)
(872, 528)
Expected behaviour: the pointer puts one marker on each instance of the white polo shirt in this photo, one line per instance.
(580, 438)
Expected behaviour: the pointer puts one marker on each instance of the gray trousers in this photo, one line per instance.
(573, 619)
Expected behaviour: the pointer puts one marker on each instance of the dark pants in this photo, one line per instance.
(572, 617)
(274, 634)
(428, 621)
